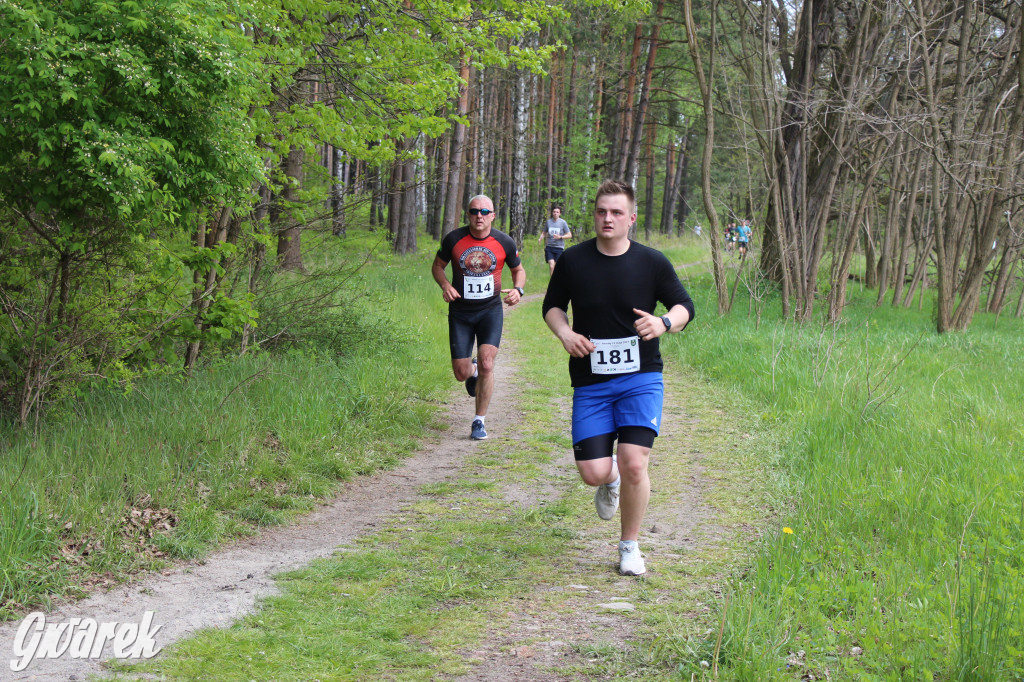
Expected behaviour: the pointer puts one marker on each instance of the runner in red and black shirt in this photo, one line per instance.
(477, 254)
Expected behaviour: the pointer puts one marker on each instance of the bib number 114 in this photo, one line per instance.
(478, 287)
(615, 356)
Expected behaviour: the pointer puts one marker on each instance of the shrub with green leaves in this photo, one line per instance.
(121, 122)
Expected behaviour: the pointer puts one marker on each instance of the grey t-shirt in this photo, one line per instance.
(556, 227)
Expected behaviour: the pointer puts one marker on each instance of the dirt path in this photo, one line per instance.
(551, 635)
(550, 631)
(218, 590)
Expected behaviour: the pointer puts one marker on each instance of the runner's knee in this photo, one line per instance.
(632, 469)
(595, 472)
(634, 450)
(462, 369)
(485, 362)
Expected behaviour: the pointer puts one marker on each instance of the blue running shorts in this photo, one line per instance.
(629, 400)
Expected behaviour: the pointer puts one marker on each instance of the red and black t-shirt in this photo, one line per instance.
(476, 265)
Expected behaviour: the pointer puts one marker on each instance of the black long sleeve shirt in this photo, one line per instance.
(604, 290)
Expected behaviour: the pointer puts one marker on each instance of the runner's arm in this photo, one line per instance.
(575, 344)
(518, 280)
(448, 292)
(651, 327)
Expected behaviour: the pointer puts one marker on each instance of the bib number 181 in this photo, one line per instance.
(615, 356)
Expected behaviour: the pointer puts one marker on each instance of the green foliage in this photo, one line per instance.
(115, 108)
(129, 125)
(122, 120)
(243, 443)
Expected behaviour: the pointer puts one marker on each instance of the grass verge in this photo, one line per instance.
(901, 556)
(116, 483)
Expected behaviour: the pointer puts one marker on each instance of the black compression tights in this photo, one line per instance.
(597, 447)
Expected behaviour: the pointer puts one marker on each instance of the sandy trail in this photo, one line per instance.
(529, 642)
(225, 586)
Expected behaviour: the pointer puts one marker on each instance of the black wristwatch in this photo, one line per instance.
(520, 290)
(668, 322)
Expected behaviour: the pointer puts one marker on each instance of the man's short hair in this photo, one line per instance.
(479, 196)
(616, 187)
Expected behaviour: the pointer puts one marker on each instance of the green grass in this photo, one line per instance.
(892, 453)
(244, 443)
(446, 574)
(399, 604)
(904, 451)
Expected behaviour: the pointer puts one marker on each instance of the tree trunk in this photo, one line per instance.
(339, 168)
(651, 131)
(1004, 276)
(550, 166)
(668, 191)
(709, 141)
(519, 180)
(632, 155)
(452, 208)
(289, 233)
(404, 203)
(620, 150)
(682, 184)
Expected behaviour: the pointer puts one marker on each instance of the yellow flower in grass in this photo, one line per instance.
(787, 530)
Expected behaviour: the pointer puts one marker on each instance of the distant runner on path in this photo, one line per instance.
(556, 231)
(477, 254)
(615, 366)
(743, 233)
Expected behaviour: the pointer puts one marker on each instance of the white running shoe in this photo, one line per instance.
(606, 500)
(631, 561)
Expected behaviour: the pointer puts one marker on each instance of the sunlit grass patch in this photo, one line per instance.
(399, 603)
(903, 455)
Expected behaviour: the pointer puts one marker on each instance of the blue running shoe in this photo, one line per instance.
(478, 432)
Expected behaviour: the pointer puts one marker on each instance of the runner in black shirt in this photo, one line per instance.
(613, 285)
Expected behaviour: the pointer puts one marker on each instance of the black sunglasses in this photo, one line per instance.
(480, 211)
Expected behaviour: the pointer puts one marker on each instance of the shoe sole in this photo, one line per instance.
(598, 510)
(634, 573)
(471, 383)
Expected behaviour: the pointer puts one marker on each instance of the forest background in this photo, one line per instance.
(178, 179)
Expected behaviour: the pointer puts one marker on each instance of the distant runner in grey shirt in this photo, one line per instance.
(555, 233)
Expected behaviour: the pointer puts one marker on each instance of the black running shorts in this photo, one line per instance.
(483, 326)
(553, 252)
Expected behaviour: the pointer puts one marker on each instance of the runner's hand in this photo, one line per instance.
(648, 326)
(512, 296)
(450, 293)
(576, 345)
